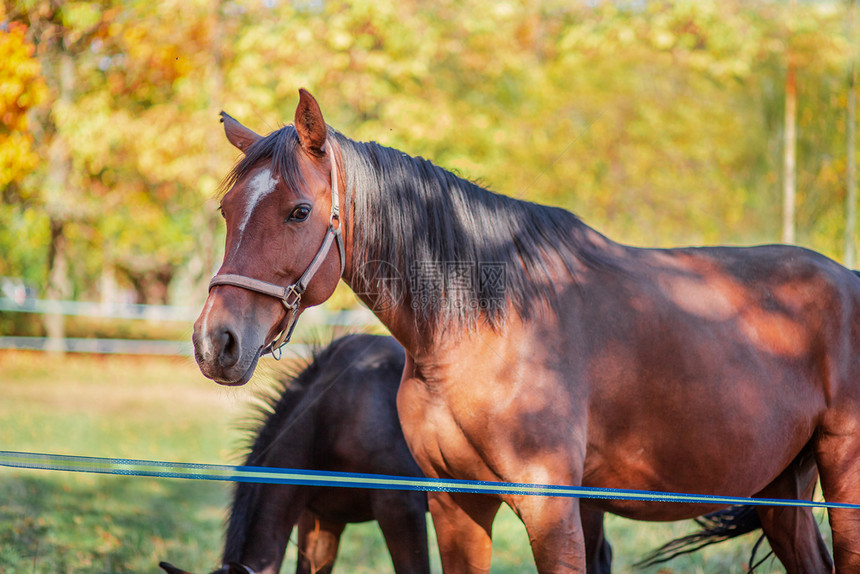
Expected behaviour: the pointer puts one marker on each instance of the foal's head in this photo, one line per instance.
(280, 225)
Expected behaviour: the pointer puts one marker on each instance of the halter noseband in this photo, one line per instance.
(291, 295)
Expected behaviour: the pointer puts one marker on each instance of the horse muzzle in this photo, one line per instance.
(226, 350)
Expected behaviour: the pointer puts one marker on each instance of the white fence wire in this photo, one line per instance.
(315, 317)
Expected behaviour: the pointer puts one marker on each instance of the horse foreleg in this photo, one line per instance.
(792, 532)
(463, 524)
(318, 542)
(598, 552)
(402, 519)
(555, 530)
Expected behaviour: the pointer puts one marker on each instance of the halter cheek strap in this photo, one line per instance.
(291, 296)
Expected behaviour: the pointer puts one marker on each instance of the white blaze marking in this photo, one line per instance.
(204, 330)
(259, 187)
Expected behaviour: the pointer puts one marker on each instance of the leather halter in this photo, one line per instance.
(291, 295)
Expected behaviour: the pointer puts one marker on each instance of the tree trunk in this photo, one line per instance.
(108, 288)
(58, 289)
(58, 201)
(851, 171)
(789, 159)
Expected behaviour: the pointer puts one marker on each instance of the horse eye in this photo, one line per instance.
(221, 209)
(300, 213)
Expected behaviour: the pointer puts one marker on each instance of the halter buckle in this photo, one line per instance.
(294, 292)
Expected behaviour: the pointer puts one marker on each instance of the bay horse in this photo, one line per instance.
(540, 351)
(338, 413)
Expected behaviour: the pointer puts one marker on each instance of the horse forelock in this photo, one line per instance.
(480, 253)
(279, 150)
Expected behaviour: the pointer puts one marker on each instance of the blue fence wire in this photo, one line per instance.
(214, 472)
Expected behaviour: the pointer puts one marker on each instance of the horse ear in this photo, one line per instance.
(239, 135)
(310, 124)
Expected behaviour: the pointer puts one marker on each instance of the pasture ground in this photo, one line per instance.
(163, 409)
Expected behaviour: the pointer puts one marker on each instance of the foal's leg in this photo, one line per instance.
(464, 524)
(402, 519)
(598, 552)
(318, 542)
(792, 532)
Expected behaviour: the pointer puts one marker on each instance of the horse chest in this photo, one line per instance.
(430, 427)
(492, 425)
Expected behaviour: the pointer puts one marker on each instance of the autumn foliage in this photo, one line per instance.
(659, 123)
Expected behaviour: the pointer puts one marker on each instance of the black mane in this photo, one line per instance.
(409, 211)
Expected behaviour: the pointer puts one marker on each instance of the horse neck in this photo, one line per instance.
(261, 521)
(399, 319)
(406, 213)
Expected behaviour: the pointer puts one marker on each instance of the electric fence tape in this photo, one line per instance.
(194, 471)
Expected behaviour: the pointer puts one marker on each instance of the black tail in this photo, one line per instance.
(716, 527)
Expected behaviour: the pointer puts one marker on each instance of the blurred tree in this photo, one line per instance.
(811, 39)
(22, 87)
(59, 32)
(128, 163)
(660, 122)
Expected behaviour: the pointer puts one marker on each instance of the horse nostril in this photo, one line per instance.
(229, 354)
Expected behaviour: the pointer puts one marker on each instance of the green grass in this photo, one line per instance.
(156, 408)
(164, 409)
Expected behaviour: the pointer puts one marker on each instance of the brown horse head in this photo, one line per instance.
(281, 197)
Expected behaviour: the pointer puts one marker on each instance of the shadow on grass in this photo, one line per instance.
(80, 523)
